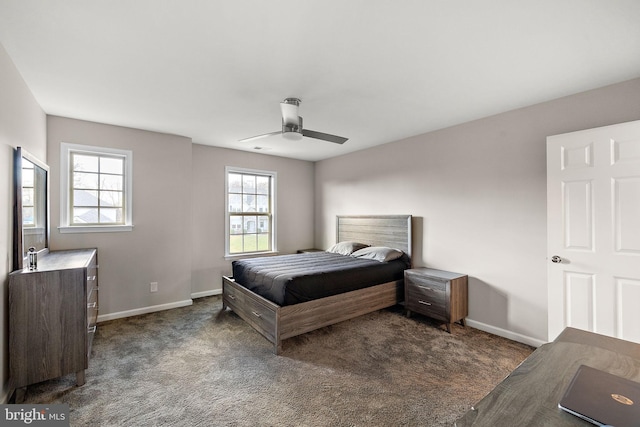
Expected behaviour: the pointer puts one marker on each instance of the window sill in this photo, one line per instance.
(95, 229)
(249, 255)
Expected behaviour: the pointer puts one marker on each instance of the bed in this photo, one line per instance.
(292, 316)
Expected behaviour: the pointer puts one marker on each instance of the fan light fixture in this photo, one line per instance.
(292, 126)
(292, 135)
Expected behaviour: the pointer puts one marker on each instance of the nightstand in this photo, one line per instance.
(439, 294)
(305, 251)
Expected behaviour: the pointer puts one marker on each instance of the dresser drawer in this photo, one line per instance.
(92, 308)
(92, 279)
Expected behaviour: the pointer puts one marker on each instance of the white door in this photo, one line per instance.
(593, 231)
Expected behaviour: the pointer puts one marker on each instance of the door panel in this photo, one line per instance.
(628, 313)
(579, 289)
(577, 201)
(593, 226)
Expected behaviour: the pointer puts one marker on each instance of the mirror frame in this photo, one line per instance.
(19, 254)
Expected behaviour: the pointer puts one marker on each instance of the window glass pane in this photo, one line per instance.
(263, 186)
(111, 182)
(235, 183)
(27, 177)
(85, 215)
(111, 198)
(263, 224)
(236, 225)
(262, 203)
(112, 165)
(249, 184)
(235, 244)
(250, 242)
(248, 203)
(27, 216)
(110, 215)
(85, 180)
(85, 163)
(85, 198)
(235, 203)
(249, 223)
(26, 164)
(263, 242)
(27, 196)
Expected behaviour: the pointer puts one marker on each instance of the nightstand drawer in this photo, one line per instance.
(426, 300)
(427, 284)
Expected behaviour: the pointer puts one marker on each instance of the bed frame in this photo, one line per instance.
(277, 323)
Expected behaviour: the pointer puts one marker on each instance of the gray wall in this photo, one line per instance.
(159, 247)
(294, 208)
(22, 123)
(178, 215)
(478, 192)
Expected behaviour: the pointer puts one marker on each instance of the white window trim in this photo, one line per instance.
(65, 188)
(274, 248)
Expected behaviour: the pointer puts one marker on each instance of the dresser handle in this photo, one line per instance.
(91, 278)
(92, 330)
(256, 314)
(92, 305)
(424, 302)
(231, 296)
(424, 287)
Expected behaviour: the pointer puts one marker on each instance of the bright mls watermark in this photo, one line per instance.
(35, 415)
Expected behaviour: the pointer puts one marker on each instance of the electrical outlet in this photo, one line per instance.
(153, 287)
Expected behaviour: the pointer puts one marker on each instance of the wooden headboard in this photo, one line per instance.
(376, 230)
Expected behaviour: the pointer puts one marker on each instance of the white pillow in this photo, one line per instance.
(379, 253)
(346, 248)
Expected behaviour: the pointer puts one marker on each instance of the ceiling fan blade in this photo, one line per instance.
(324, 136)
(289, 114)
(253, 138)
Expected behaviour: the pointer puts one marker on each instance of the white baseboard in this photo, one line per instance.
(203, 294)
(143, 310)
(505, 334)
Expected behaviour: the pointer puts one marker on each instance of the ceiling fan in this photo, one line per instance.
(292, 125)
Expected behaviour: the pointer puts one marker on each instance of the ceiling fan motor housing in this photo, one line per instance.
(292, 131)
(291, 121)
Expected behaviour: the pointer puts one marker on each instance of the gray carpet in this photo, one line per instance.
(195, 366)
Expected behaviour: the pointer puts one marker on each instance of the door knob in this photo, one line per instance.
(556, 259)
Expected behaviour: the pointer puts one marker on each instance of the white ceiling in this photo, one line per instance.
(374, 71)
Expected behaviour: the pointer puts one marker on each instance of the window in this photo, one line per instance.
(250, 197)
(97, 189)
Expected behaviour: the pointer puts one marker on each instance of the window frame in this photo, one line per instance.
(272, 214)
(66, 187)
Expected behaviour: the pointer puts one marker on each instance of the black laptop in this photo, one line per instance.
(602, 398)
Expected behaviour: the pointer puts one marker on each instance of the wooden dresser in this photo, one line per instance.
(439, 294)
(52, 317)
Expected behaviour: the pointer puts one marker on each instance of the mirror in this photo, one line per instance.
(31, 209)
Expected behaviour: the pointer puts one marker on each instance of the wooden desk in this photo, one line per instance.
(529, 396)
